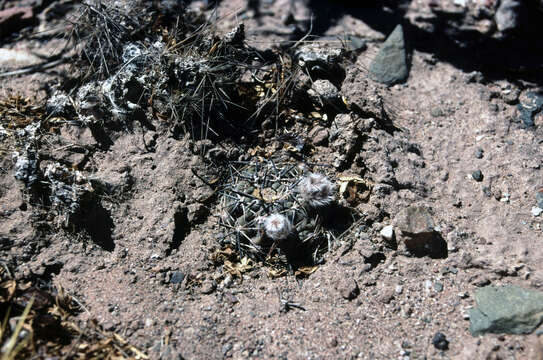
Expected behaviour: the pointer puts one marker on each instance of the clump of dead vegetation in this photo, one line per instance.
(139, 64)
(38, 319)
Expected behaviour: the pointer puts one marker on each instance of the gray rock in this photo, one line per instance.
(506, 310)
(349, 289)
(415, 228)
(390, 65)
(177, 277)
(529, 108)
(477, 175)
(507, 15)
(479, 153)
(323, 92)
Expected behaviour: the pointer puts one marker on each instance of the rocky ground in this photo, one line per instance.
(140, 178)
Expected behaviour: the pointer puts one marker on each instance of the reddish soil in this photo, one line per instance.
(135, 246)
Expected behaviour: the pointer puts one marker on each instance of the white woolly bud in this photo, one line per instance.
(316, 190)
(277, 227)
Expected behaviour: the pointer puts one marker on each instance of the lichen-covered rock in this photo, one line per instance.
(506, 310)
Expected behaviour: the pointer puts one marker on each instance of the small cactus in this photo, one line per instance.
(316, 190)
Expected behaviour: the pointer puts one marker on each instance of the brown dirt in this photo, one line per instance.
(161, 219)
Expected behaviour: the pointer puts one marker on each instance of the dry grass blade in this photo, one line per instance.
(12, 348)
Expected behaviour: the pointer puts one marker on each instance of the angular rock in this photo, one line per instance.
(506, 310)
(387, 232)
(390, 65)
(440, 341)
(414, 228)
(323, 91)
(507, 15)
(177, 277)
(349, 289)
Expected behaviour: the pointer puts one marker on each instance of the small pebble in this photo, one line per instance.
(536, 211)
(438, 287)
(440, 341)
(208, 287)
(477, 175)
(177, 277)
(479, 153)
(387, 232)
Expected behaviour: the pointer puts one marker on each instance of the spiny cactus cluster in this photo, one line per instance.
(268, 206)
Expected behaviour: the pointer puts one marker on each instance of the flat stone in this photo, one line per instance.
(506, 310)
(177, 277)
(323, 90)
(390, 65)
(79, 135)
(536, 211)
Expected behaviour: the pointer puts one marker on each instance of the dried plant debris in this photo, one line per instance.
(266, 214)
(142, 66)
(18, 118)
(37, 320)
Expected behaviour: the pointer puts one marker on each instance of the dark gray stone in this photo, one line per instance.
(177, 277)
(390, 65)
(530, 107)
(479, 153)
(506, 310)
(477, 175)
(440, 341)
